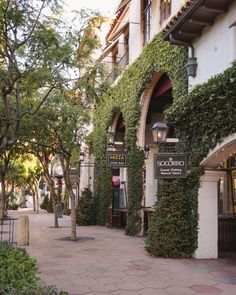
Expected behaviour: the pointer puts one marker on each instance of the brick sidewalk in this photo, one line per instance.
(105, 261)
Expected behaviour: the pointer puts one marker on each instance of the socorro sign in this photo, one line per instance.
(116, 159)
(170, 166)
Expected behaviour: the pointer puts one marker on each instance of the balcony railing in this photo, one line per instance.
(118, 67)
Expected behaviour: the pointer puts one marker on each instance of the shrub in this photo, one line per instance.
(45, 202)
(86, 212)
(49, 207)
(19, 274)
(13, 206)
(17, 269)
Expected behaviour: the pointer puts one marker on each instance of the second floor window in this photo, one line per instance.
(147, 4)
(165, 10)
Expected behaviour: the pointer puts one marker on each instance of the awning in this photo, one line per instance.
(193, 17)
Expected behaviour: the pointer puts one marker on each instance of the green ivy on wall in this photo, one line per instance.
(206, 115)
(125, 97)
(201, 119)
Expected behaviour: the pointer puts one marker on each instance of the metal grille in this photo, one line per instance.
(7, 230)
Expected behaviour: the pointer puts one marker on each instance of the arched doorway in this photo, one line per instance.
(118, 209)
(217, 202)
(155, 100)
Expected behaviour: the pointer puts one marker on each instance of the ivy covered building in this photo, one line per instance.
(172, 62)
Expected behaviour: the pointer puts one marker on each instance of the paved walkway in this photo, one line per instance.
(105, 261)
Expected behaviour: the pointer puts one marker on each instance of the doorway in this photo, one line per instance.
(227, 209)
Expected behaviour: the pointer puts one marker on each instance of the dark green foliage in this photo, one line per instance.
(135, 172)
(173, 228)
(13, 206)
(201, 120)
(205, 116)
(16, 268)
(47, 204)
(86, 212)
(39, 289)
(19, 274)
(103, 192)
(50, 206)
(133, 226)
(125, 97)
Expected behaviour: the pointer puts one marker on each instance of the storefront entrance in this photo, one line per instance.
(227, 208)
(217, 202)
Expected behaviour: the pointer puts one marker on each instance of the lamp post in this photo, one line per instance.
(58, 174)
(81, 159)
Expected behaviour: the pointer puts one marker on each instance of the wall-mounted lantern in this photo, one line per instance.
(191, 66)
(81, 157)
(110, 138)
(146, 152)
(159, 132)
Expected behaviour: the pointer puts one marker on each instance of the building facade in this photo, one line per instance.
(160, 56)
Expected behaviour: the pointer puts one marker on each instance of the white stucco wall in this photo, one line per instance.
(87, 173)
(215, 49)
(208, 215)
(135, 31)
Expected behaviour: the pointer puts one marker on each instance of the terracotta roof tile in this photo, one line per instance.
(177, 16)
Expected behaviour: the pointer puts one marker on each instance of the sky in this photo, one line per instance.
(106, 7)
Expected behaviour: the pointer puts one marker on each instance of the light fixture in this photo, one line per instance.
(110, 137)
(81, 156)
(191, 66)
(159, 132)
(146, 152)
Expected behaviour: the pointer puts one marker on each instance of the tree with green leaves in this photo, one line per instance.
(61, 131)
(38, 53)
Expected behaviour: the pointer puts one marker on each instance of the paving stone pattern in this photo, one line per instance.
(105, 261)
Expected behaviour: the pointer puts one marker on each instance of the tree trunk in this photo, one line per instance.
(3, 198)
(68, 184)
(34, 203)
(73, 217)
(66, 172)
(37, 197)
(53, 195)
(54, 202)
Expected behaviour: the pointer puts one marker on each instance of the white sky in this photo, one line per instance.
(106, 7)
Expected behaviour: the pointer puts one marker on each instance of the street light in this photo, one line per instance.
(191, 66)
(81, 157)
(81, 160)
(110, 138)
(146, 152)
(159, 132)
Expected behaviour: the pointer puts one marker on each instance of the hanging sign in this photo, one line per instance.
(170, 165)
(116, 159)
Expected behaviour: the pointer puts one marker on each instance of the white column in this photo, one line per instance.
(151, 182)
(208, 215)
